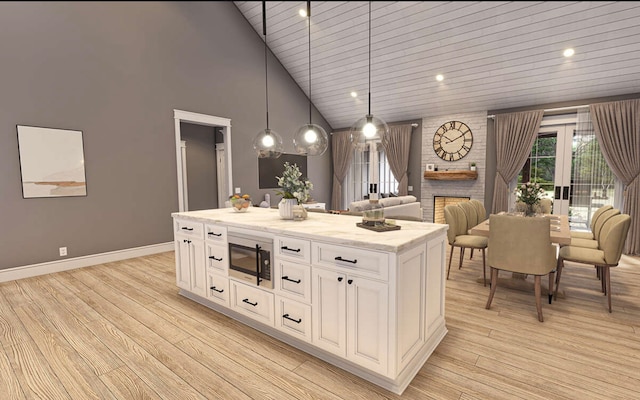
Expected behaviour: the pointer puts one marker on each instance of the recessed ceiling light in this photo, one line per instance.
(439, 78)
(303, 13)
(568, 52)
(354, 94)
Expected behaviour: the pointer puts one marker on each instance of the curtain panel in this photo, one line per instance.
(617, 127)
(396, 146)
(342, 151)
(515, 134)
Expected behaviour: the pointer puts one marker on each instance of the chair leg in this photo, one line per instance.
(603, 282)
(607, 277)
(471, 256)
(484, 269)
(450, 258)
(551, 285)
(558, 273)
(494, 284)
(461, 257)
(538, 292)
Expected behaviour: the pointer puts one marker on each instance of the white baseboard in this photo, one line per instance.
(27, 271)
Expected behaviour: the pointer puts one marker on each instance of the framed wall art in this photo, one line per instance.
(51, 162)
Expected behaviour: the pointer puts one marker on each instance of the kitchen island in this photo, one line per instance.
(369, 302)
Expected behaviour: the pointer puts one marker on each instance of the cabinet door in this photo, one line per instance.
(367, 323)
(329, 311)
(198, 268)
(183, 264)
(217, 258)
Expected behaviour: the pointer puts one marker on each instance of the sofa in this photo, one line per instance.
(400, 207)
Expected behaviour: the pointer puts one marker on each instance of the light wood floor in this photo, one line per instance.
(120, 331)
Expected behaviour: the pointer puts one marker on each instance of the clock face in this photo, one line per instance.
(452, 141)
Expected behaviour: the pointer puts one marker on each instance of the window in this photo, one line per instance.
(369, 166)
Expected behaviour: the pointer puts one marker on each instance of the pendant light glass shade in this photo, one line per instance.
(268, 143)
(368, 127)
(310, 139)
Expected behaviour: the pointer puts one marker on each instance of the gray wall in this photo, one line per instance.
(116, 71)
(202, 179)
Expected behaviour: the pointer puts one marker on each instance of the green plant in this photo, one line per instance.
(292, 185)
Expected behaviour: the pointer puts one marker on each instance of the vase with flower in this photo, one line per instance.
(528, 197)
(294, 190)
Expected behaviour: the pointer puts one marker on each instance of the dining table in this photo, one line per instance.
(559, 225)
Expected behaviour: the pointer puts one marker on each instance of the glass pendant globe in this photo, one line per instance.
(368, 128)
(311, 139)
(268, 144)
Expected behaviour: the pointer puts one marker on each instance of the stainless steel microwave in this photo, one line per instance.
(251, 259)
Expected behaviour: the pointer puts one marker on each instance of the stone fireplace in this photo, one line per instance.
(440, 202)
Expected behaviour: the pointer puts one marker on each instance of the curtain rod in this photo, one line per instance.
(553, 109)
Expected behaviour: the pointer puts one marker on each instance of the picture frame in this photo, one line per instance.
(430, 167)
(51, 162)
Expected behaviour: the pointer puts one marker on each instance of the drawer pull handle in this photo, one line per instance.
(340, 278)
(297, 321)
(287, 248)
(248, 302)
(350, 281)
(186, 241)
(214, 234)
(216, 290)
(215, 259)
(286, 278)
(187, 229)
(345, 260)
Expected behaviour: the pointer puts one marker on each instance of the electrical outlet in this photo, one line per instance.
(410, 188)
(63, 251)
(238, 190)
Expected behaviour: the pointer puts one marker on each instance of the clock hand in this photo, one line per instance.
(456, 138)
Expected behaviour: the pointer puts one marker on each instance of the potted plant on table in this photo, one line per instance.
(528, 194)
(294, 190)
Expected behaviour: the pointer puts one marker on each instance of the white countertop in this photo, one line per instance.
(330, 228)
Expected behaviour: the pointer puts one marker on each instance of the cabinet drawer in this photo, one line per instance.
(217, 258)
(293, 249)
(252, 302)
(189, 228)
(293, 280)
(369, 263)
(218, 289)
(215, 233)
(293, 318)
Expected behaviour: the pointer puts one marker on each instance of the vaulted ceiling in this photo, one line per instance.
(493, 55)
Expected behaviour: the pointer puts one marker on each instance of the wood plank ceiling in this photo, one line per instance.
(492, 55)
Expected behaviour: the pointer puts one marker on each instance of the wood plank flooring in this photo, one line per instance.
(120, 331)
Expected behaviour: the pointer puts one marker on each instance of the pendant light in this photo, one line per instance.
(368, 127)
(268, 143)
(310, 139)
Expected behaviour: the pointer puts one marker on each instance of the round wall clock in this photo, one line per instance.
(452, 141)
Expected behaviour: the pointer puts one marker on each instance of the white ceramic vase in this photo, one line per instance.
(285, 208)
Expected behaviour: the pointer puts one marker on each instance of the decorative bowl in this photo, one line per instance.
(240, 205)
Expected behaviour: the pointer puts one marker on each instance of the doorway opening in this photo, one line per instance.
(222, 151)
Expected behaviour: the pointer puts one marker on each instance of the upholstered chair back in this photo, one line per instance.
(597, 215)
(602, 219)
(545, 204)
(612, 237)
(470, 212)
(457, 221)
(480, 210)
(521, 244)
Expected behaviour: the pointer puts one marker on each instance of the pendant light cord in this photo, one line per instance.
(266, 80)
(309, 20)
(369, 113)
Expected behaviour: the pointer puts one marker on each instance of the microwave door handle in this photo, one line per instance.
(258, 264)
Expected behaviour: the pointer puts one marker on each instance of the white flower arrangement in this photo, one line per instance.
(292, 185)
(529, 193)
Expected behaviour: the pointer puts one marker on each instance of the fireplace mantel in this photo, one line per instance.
(457, 175)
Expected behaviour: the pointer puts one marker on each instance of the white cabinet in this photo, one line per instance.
(218, 289)
(350, 315)
(190, 265)
(253, 302)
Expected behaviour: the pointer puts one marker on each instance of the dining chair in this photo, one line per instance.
(546, 205)
(471, 212)
(597, 229)
(589, 235)
(522, 245)
(458, 236)
(610, 243)
(480, 209)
